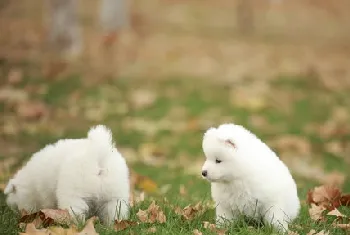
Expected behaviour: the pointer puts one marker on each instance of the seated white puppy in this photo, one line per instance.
(247, 178)
(85, 176)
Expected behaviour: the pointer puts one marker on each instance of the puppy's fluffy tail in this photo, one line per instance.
(102, 141)
(102, 135)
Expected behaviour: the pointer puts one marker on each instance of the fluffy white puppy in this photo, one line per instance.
(85, 176)
(247, 178)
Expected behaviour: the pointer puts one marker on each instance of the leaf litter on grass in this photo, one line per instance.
(325, 201)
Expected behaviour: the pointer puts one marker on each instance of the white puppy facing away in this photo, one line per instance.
(247, 178)
(85, 176)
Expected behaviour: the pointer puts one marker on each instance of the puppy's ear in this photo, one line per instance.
(10, 188)
(230, 143)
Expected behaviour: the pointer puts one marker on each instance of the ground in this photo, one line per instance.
(185, 70)
(158, 126)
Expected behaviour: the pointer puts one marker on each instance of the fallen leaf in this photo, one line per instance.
(152, 230)
(326, 195)
(32, 230)
(345, 200)
(292, 144)
(15, 76)
(46, 217)
(142, 182)
(336, 212)
(190, 212)
(292, 233)
(335, 179)
(89, 228)
(152, 155)
(62, 231)
(182, 190)
(342, 226)
(152, 214)
(197, 232)
(13, 96)
(141, 99)
(32, 110)
(142, 215)
(123, 224)
(59, 216)
(316, 212)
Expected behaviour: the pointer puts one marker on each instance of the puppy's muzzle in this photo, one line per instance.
(204, 173)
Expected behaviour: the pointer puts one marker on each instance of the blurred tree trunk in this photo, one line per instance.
(114, 16)
(245, 16)
(65, 37)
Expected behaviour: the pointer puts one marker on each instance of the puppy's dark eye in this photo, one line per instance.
(217, 161)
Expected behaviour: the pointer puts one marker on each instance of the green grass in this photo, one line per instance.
(203, 103)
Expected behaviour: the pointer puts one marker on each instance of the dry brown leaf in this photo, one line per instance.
(89, 228)
(334, 179)
(13, 96)
(326, 196)
(190, 212)
(293, 144)
(342, 226)
(15, 76)
(152, 155)
(46, 217)
(208, 225)
(152, 214)
(336, 212)
(59, 216)
(142, 182)
(316, 212)
(62, 231)
(292, 233)
(197, 232)
(32, 110)
(182, 190)
(141, 99)
(345, 200)
(152, 230)
(123, 224)
(313, 232)
(31, 230)
(142, 215)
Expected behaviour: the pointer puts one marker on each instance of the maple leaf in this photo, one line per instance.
(325, 195)
(152, 214)
(345, 200)
(190, 212)
(123, 224)
(46, 217)
(59, 216)
(142, 215)
(316, 212)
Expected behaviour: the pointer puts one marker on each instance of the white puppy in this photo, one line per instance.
(247, 178)
(85, 176)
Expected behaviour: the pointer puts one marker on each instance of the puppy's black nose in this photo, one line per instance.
(204, 173)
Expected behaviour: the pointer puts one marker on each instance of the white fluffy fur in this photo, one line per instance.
(82, 175)
(251, 180)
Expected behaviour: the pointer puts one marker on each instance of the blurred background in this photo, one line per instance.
(159, 73)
